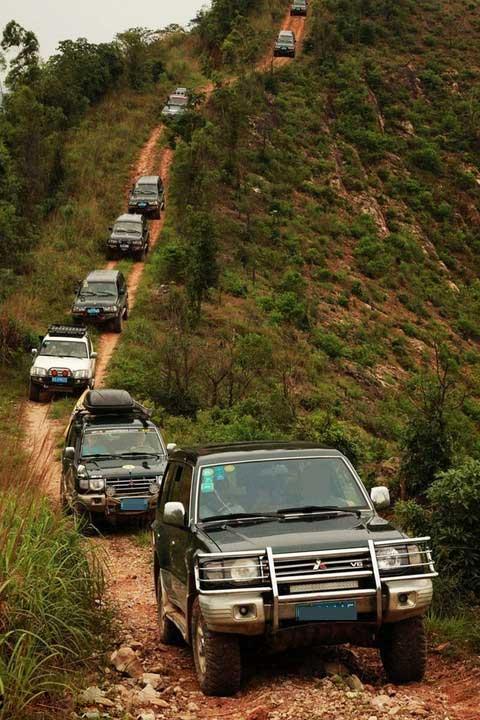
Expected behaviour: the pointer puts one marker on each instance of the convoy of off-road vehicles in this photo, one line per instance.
(270, 544)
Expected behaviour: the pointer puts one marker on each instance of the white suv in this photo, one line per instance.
(64, 362)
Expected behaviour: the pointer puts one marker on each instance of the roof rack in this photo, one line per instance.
(67, 331)
(99, 403)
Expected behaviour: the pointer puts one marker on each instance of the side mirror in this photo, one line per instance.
(69, 453)
(34, 352)
(94, 355)
(174, 514)
(171, 446)
(110, 229)
(380, 496)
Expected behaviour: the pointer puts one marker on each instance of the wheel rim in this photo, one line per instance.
(200, 648)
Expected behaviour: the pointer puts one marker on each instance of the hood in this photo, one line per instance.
(96, 302)
(125, 237)
(134, 199)
(303, 536)
(173, 110)
(125, 467)
(47, 361)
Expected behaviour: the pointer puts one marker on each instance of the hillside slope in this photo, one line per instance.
(342, 193)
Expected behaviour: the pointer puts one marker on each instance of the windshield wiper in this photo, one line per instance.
(139, 453)
(318, 509)
(238, 518)
(99, 455)
(86, 293)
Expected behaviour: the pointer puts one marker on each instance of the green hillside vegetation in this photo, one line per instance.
(318, 273)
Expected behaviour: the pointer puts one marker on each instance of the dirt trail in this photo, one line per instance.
(286, 686)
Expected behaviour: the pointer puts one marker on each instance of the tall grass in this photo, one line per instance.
(52, 614)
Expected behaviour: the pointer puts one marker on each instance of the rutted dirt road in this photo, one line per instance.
(295, 685)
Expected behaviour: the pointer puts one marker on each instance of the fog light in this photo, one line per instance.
(242, 612)
(403, 598)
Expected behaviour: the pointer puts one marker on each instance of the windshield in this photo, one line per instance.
(132, 228)
(98, 289)
(181, 101)
(63, 348)
(145, 189)
(285, 40)
(121, 442)
(273, 485)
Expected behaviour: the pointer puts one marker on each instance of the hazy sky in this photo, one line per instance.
(97, 20)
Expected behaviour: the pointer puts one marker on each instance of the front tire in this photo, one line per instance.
(403, 650)
(117, 324)
(217, 657)
(34, 393)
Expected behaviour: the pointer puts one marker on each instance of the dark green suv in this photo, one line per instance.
(113, 460)
(102, 298)
(281, 542)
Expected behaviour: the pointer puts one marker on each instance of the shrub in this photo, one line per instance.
(330, 343)
(455, 499)
(427, 158)
(51, 588)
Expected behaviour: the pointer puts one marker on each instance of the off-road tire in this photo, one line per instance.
(141, 255)
(117, 324)
(168, 632)
(65, 505)
(126, 312)
(403, 650)
(34, 393)
(157, 214)
(217, 658)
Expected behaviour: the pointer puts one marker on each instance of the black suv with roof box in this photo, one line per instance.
(129, 236)
(147, 196)
(102, 298)
(281, 542)
(114, 458)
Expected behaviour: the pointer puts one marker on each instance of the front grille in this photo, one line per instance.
(130, 486)
(329, 570)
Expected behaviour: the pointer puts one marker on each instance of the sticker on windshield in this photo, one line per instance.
(208, 472)
(207, 485)
(229, 468)
(219, 473)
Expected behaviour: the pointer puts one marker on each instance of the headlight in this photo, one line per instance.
(415, 557)
(81, 374)
(153, 488)
(96, 484)
(110, 308)
(38, 371)
(244, 570)
(214, 570)
(77, 308)
(388, 558)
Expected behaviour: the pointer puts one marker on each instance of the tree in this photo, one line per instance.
(202, 268)
(135, 45)
(428, 440)
(24, 68)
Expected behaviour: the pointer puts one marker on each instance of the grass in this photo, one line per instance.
(53, 618)
(459, 633)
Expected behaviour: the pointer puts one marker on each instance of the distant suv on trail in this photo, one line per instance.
(285, 44)
(298, 7)
(129, 236)
(177, 104)
(114, 458)
(102, 298)
(64, 362)
(281, 542)
(147, 196)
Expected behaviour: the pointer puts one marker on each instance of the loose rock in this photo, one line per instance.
(126, 661)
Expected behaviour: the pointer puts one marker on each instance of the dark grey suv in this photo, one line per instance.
(102, 298)
(147, 196)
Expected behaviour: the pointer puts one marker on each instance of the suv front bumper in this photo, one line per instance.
(287, 581)
(102, 504)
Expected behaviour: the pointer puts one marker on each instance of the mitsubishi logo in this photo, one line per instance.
(319, 565)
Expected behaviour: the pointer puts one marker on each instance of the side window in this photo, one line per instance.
(181, 486)
(72, 436)
(166, 485)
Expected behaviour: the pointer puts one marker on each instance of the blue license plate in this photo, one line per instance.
(142, 204)
(61, 380)
(328, 610)
(134, 504)
(93, 311)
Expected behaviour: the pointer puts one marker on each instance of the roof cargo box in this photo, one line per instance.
(107, 402)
